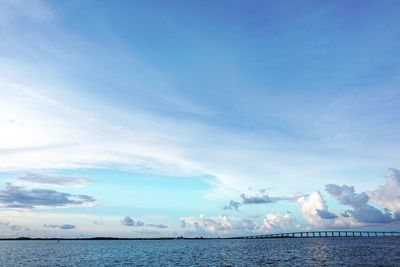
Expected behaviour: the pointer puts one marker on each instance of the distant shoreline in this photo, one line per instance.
(273, 236)
(107, 238)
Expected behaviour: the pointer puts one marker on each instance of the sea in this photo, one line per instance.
(371, 251)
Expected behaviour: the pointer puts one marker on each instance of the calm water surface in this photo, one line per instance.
(275, 252)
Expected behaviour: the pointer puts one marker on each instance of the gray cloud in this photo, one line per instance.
(264, 199)
(259, 199)
(262, 191)
(183, 224)
(397, 216)
(325, 214)
(60, 180)
(12, 196)
(128, 221)
(248, 224)
(62, 226)
(232, 205)
(13, 227)
(157, 225)
(362, 211)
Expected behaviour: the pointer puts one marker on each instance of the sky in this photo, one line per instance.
(198, 118)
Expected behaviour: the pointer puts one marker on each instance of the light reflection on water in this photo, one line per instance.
(275, 252)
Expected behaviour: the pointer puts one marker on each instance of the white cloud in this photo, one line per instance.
(388, 195)
(311, 206)
(315, 211)
(236, 226)
(218, 226)
(278, 222)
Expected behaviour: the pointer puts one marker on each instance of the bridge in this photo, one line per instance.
(322, 234)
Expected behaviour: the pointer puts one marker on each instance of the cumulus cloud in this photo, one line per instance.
(216, 226)
(128, 221)
(232, 205)
(388, 195)
(223, 225)
(48, 179)
(62, 226)
(314, 209)
(12, 196)
(280, 221)
(206, 224)
(361, 210)
(157, 225)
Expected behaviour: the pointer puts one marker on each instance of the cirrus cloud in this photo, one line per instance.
(51, 179)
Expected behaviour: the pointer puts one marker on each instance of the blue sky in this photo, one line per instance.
(213, 118)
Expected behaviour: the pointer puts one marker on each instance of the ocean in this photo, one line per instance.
(371, 251)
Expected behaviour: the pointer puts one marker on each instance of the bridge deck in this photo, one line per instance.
(323, 234)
